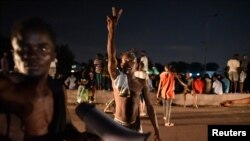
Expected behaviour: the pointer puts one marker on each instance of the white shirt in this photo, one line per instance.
(72, 82)
(217, 86)
(233, 64)
(144, 60)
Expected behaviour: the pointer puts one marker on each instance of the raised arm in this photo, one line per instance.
(111, 50)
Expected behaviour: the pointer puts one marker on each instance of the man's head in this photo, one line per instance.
(168, 68)
(188, 75)
(128, 62)
(215, 77)
(33, 46)
(143, 53)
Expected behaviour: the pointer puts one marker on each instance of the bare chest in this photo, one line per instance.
(135, 85)
(37, 122)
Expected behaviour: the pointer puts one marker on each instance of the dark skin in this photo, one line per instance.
(30, 102)
(32, 56)
(127, 108)
(242, 101)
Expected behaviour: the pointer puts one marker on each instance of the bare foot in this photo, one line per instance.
(226, 103)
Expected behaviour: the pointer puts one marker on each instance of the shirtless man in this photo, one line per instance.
(127, 96)
(33, 105)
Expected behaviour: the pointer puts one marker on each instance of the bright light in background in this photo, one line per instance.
(190, 74)
(198, 74)
(73, 66)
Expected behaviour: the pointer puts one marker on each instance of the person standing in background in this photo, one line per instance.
(243, 73)
(189, 81)
(52, 68)
(71, 82)
(166, 90)
(92, 86)
(144, 60)
(98, 64)
(144, 68)
(233, 65)
(198, 87)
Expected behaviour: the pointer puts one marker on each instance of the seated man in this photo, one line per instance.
(33, 105)
(217, 86)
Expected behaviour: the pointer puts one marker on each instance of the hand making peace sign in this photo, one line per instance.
(113, 19)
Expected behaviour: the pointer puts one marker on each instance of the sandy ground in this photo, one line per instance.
(190, 123)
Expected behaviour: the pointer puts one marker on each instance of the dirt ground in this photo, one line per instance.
(190, 123)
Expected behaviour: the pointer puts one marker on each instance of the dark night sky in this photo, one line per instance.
(169, 30)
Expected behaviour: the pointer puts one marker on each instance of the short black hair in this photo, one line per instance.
(130, 55)
(28, 24)
(169, 67)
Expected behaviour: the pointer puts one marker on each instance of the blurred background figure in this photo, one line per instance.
(243, 72)
(71, 82)
(52, 68)
(233, 65)
(217, 87)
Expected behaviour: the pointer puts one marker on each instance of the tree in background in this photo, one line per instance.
(65, 59)
(212, 66)
(195, 67)
(5, 46)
